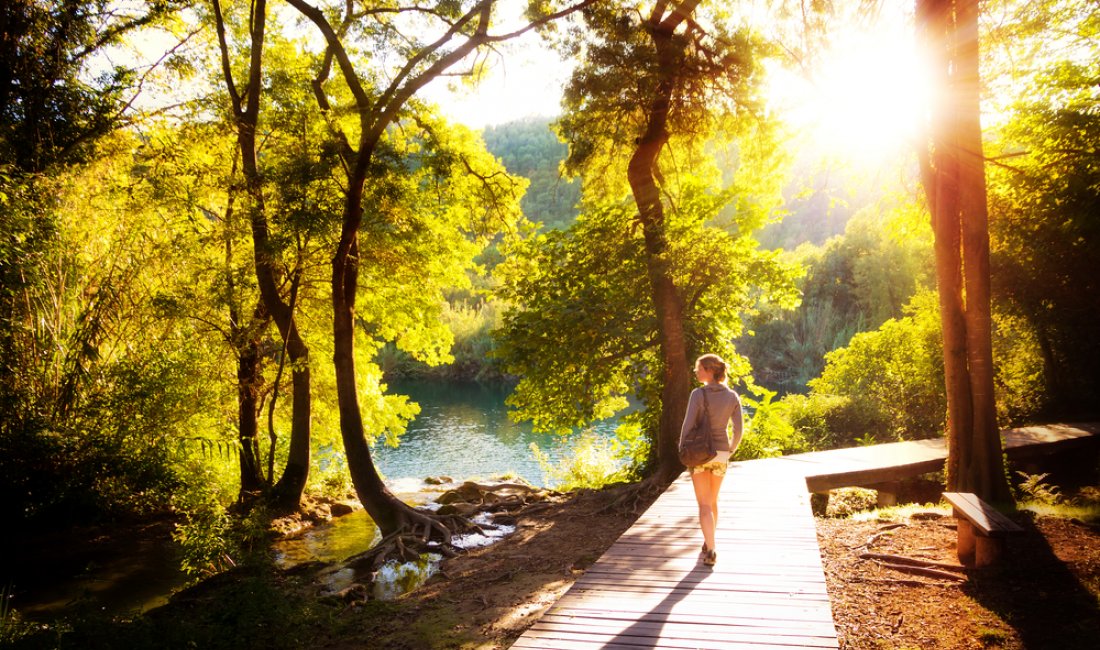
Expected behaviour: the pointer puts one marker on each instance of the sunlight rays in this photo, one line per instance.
(862, 102)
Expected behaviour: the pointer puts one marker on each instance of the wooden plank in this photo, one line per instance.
(796, 628)
(987, 519)
(792, 628)
(696, 636)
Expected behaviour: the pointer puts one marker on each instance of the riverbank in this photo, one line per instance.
(1044, 596)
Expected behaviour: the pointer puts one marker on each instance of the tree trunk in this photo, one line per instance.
(953, 174)
(389, 513)
(287, 493)
(249, 380)
(643, 174)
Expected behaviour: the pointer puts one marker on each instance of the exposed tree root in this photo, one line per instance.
(915, 566)
(900, 559)
(635, 497)
(888, 529)
(420, 532)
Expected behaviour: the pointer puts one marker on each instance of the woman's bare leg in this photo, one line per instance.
(715, 489)
(707, 499)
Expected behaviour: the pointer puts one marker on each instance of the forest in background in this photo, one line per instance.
(138, 347)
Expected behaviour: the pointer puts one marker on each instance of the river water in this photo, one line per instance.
(462, 432)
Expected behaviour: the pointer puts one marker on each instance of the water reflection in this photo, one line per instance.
(463, 431)
(333, 541)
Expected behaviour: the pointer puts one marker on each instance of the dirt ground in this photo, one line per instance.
(1044, 595)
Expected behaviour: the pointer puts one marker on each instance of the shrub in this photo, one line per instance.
(590, 461)
(833, 421)
(890, 379)
(847, 501)
(768, 433)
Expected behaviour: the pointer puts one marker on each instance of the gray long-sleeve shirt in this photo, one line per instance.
(723, 405)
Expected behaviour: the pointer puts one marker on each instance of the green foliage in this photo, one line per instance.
(1020, 381)
(12, 627)
(471, 325)
(580, 331)
(831, 421)
(1044, 237)
(853, 283)
(768, 433)
(589, 461)
(845, 502)
(1034, 487)
(54, 104)
(204, 536)
(892, 378)
(211, 538)
(249, 609)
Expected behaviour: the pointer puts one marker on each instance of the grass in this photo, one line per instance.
(990, 637)
(899, 512)
(1084, 512)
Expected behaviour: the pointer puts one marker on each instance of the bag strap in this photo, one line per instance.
(706, 409)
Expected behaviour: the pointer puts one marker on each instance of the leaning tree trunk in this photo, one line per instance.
(643, 174)
(389, 513)
(953, 174)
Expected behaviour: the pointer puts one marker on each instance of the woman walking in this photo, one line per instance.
(720, 404)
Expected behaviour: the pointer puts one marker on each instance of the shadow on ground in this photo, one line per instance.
(1034, 591)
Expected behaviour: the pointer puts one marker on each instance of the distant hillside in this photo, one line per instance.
(820, 199)
(530, 149)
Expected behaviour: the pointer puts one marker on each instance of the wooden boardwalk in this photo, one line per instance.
(768, 589)
(876, 465)
(650, 591)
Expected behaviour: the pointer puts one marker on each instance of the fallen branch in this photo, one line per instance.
(882, 531)
(921, 571)
(899, 559)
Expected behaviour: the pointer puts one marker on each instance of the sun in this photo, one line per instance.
(862, 101)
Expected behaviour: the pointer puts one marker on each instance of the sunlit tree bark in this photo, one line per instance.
(953, 174)
(643, 174)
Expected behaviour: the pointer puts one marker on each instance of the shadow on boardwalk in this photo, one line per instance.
(646, 631)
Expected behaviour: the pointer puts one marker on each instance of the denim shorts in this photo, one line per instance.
(716, 466)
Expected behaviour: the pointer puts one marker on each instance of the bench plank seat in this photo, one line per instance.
(982, 515)
(981, 529)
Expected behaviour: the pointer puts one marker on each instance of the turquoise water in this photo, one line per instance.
(463, 431)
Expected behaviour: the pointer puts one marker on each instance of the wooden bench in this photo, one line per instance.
(982, 530)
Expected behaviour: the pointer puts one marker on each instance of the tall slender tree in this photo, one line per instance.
(953, 174)
(678, 77)
(278, 301)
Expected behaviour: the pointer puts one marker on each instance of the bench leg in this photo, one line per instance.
(966, 543)
(887, 494)
(976, 549)
(988, 550)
